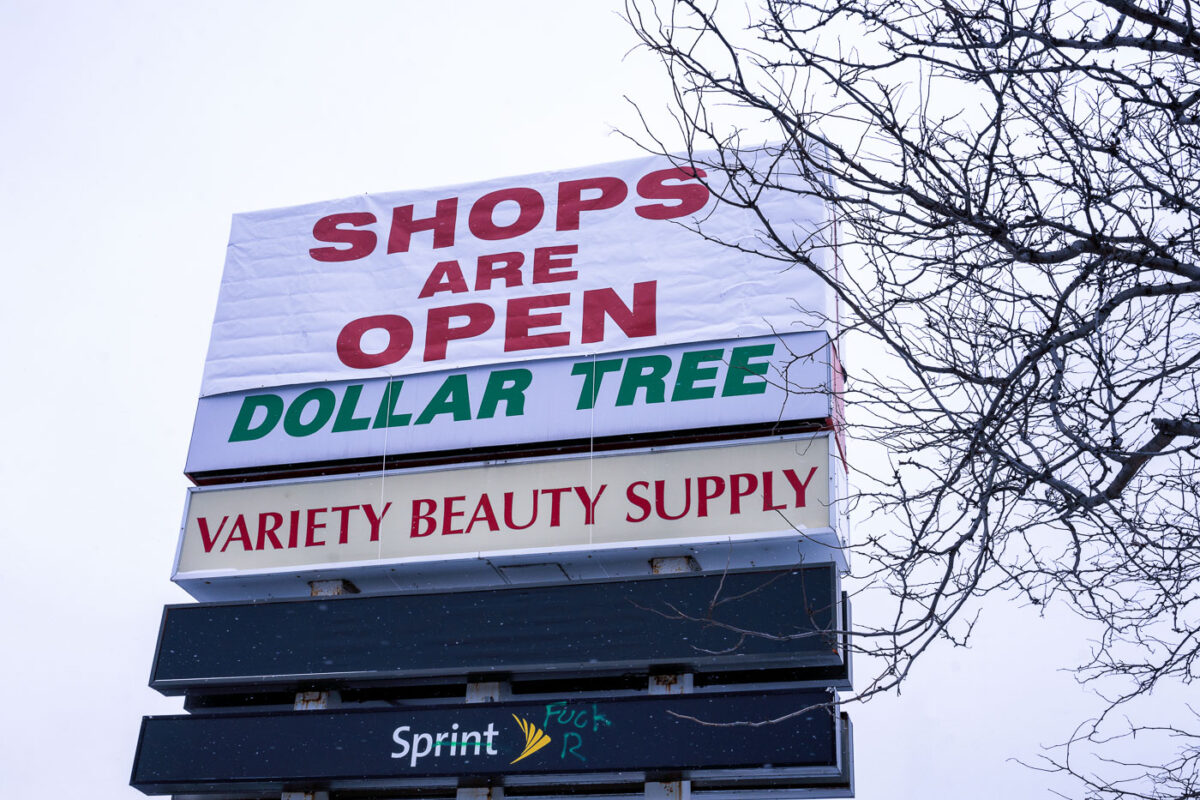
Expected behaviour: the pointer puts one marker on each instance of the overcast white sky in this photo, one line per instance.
(132, 131)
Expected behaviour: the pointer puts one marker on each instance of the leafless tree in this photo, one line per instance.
(1016, 189)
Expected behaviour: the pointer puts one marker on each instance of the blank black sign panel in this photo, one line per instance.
(686, 623)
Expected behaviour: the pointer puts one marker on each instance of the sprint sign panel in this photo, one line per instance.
(390, 748)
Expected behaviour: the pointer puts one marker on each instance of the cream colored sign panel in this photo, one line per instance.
(531, 506)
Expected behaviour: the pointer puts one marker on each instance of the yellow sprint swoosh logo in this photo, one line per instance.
(535, 738)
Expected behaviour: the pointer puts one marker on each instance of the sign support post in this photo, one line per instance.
(483, 692)
(316, 701)
(670, 684)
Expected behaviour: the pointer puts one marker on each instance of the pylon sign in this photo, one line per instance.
(549, 381)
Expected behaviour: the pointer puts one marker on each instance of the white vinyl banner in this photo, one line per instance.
(539, 266)
(699, 386)
(727, 493)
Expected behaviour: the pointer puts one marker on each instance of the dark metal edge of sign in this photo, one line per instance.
(831, 667)
(770, 786)
(840, 676)
(463, 590)
(532, 450)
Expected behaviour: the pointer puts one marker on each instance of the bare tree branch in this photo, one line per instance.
(1014, 196)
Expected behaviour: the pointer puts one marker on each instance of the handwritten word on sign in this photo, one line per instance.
(579, 719)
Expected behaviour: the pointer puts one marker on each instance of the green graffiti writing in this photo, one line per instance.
(579, 719)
